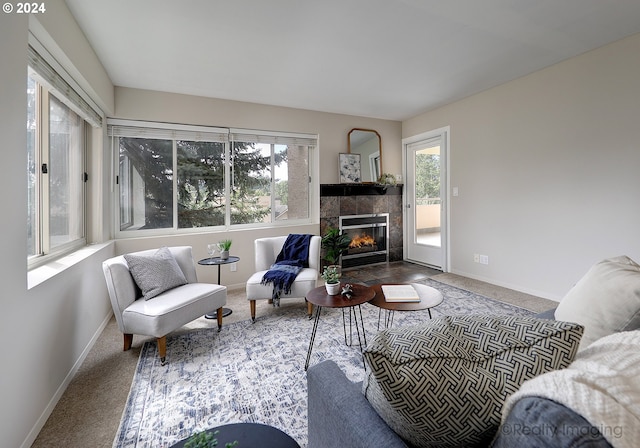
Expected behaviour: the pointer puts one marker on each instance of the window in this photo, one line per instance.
(222, 177)
(270, 178)
(146, 183)
(58, 119)
(201, 201)
(55, 146)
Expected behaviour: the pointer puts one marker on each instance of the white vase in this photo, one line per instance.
(224, 254)
(332, 288)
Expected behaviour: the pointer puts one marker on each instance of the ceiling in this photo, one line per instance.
(390, 59)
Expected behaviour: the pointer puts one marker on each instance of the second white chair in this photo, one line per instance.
(266, 252)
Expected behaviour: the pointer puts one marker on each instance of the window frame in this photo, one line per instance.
(179, 130)
(59, 83)
(44, 250)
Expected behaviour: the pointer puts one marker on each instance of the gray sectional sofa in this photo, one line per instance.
(340, 416)
(605, 303)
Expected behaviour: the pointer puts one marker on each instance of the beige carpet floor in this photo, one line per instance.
(89, 412)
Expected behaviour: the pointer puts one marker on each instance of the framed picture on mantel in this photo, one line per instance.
(349, 168)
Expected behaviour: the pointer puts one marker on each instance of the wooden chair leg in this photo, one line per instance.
(162, 349)
(252, 303)
(309, 308)
(219, 315)
(128, 340)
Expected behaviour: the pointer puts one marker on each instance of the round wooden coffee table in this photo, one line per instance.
(429, 298)
(320, 298)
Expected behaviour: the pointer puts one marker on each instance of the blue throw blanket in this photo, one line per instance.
(292, 258)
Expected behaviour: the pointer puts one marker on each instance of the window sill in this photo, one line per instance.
(49, 270)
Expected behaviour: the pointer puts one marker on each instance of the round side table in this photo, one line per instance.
(217, 261)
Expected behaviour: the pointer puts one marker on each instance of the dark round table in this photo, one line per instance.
(217, 261)
(249, 435)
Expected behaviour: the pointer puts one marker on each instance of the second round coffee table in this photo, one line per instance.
(429, 298)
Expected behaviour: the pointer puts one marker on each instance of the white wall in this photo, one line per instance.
(547, 168)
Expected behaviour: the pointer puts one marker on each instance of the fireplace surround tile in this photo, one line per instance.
(329, 206)
(357, 199)
(348, 205)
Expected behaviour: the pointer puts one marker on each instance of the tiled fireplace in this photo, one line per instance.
(353, 204)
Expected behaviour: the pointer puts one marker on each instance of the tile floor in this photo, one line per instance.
(394, 272)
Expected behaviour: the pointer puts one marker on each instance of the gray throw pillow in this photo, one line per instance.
(443, 383)
(156, 273)
(605, 301)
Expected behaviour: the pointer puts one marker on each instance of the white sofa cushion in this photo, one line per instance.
(444, 383)
(605, 301)
(155, 273)
(150, 317)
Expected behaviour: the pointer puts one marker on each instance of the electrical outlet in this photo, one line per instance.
(484, 259)
(233, 267)
(476, 258)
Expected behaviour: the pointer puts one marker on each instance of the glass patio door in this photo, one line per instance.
(425, 200)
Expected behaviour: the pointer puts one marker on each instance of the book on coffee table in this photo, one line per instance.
(400, 293)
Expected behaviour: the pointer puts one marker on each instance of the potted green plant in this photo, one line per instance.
(387, 179)
(206, 439)
(331, 278)
(335, 244)
(224, 246)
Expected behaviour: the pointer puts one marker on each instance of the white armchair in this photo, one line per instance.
(266, 252)
(166, 311)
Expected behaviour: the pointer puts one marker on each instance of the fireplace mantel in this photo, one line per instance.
(359, 189)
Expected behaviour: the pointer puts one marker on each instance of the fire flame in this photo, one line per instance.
(361, 240)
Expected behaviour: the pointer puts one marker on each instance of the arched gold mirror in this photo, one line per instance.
(368, 144)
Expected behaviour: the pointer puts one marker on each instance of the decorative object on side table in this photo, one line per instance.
(347, 291)
(331, 280)
(224, 247)
(211, 249)
(349, 168)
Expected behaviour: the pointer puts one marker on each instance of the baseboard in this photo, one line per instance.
(518, 288)
(33, 434)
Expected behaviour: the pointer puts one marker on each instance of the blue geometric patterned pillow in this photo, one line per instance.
(443, 383)
(155, 274)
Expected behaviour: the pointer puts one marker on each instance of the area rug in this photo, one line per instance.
(254, 372)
